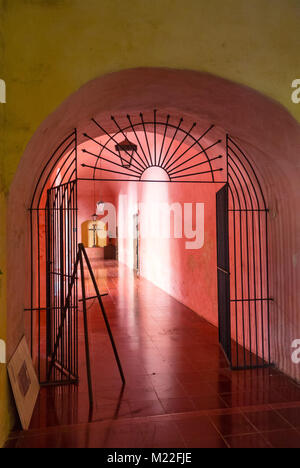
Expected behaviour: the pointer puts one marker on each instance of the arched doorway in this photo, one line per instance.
(198, 97)
(187, 155)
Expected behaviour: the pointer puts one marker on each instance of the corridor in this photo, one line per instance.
(180, 391)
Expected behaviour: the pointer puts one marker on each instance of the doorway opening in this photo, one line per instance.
(151, 158)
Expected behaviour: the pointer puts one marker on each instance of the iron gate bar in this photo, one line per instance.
(152, 181)
(155, 112)
(197, 173)
(266, 247)
(109, 170)
(43, 309)
(52, 168)
(138, 140)
(223, 274)
(171, 142)
(168, 162)
(195, 165)
(235, 274)
(115, 141)
(99, 157)
(111, 162)
(143, 123)
(223, 271)
(241, 270)
(258, 210)
(54, 209)
(247, 262)
(83, 252)
(135, 151)
(54, 363)
(56, 156)
(46, 166)
(164, 139)
(256, 299)
(86, 332)
(93, 297)
(146, 137)
(61, 168)
(62, 230)
(140, 169)
(63, 317)
(203, 151)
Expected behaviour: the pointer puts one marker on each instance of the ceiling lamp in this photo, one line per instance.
(100, 208)
(126, 150)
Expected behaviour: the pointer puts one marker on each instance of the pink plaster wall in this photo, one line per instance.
(188, 275)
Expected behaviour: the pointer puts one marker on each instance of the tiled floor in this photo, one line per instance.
(179, 393)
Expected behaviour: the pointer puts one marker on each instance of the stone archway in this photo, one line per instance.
(266, 131)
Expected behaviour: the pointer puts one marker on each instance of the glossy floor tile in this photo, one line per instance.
(179, 389)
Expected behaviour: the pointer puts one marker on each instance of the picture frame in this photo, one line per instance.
(24, 383)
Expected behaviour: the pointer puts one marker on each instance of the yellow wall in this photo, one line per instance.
(6, 416)
(49, 48)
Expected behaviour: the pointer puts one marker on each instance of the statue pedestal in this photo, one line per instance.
(110, 252)
(96, 253)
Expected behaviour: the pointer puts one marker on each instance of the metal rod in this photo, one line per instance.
(139, 172)
(63, 316)
(178, 147)
(138, 140)
(86, 333)
(203, 151)
(171, 143)
(146, 137)
(114, 140)
(195, 165)
(81, 247)
(198, 173)
(164, 139)
(93, 297)
(135, 150)
(101, 158)
(111, 171)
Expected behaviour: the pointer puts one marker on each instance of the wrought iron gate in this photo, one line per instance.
(196, 157)
(249, 318)
(61, 252)
(53, 245)
(223, 271)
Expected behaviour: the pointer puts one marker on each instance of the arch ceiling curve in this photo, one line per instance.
(254, 119)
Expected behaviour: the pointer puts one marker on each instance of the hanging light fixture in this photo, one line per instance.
(126, 150)
(100, 208)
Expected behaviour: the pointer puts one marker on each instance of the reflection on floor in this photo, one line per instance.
(180, 391)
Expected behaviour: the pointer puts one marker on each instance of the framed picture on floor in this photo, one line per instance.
(24, 383)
